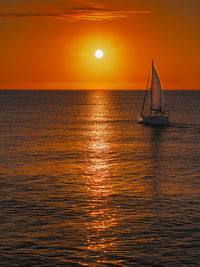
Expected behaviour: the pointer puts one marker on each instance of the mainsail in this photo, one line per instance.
(156, 91)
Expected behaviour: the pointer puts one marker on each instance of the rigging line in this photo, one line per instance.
(145, 96)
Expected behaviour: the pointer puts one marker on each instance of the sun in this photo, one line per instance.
(98, 53)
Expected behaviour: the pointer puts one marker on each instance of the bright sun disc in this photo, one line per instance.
(99, 53)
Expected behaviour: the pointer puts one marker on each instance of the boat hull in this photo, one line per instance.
(155, 120)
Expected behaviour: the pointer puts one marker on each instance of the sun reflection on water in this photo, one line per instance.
(101, 214)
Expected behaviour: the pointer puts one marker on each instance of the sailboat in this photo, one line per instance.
(157, 116)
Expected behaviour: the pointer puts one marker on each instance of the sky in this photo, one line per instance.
(50, 44)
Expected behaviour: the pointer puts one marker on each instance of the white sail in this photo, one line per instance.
(156, 90)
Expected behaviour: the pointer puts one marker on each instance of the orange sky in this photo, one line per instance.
(50, 44)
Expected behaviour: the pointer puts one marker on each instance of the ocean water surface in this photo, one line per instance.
(83, 184)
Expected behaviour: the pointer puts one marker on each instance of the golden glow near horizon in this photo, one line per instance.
(97, 72)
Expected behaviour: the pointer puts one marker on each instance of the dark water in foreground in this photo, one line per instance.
(83, 184)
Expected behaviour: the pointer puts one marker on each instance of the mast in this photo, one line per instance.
(145, 96)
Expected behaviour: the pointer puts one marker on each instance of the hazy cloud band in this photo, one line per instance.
(84, 13)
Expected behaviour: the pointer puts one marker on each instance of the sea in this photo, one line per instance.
(82, 183)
